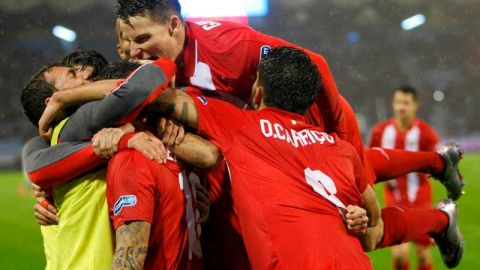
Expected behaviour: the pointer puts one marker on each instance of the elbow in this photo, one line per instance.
(368, 244)
(211, 158)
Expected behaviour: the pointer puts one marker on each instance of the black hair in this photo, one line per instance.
(290, 80)
(35, 92)
(85, 59)
(407, 89)
(158, 9)
(119, 70)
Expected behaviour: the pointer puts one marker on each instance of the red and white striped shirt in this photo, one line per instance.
(413, 187)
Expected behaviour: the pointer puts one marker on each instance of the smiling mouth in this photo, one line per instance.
(153, 58)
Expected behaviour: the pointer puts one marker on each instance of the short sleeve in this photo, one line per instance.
(219, 121)
(131, 188)
(359, 172)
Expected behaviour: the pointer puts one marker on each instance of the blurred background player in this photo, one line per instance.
(405, 131)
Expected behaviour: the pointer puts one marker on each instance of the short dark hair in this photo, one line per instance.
(119, 70)
(85, 59)
(407, 89)
(290, 80)
(35, 92)
(158, 9)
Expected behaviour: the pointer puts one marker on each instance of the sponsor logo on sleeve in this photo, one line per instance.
(203, 100)
(264, 51)
(124, 201)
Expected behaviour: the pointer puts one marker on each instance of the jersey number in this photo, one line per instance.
(208, 25)
(323, 185)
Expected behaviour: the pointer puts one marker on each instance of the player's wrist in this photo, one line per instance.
(59, 99)
(124, 141)
(128, 128)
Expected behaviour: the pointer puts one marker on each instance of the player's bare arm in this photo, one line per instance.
(372, 237)
(371, 206)
(197, 152)
(131, 245)
(179, 105)
(374, 231)
(193, 150)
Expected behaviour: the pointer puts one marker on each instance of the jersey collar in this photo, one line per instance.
(283, 113)
(190, 52)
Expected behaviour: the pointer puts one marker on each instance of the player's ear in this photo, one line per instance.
(417, 105)
(47, 100)
(258, 97)
(175, 24)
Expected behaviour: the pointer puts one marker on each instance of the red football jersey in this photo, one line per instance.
(288, 181)
(139, 189)
(224, 56)
(413, 189)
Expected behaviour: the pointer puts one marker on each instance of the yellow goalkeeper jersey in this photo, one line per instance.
(83, 238)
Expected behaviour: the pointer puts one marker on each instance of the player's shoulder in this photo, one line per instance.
(214, 28)
(337, 143)
(380, 126)
(426, 129)
(422, 124)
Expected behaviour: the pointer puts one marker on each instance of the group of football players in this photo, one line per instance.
(214, 146)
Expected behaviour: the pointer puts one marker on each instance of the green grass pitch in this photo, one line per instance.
(21, 243)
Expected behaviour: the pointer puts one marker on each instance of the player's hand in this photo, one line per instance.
(38, 192)
(202, 203)
(141, 61)
(357, 220)
(149, 145)
(45, 213)
(105, 142)
(53, 108)
(171, 132)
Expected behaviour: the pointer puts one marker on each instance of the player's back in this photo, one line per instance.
(289, 181)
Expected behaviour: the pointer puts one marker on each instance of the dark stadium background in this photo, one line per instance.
(369, 53)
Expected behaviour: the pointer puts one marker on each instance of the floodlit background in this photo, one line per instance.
(372, 47)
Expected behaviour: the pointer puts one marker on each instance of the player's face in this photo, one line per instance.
(123, 45)
(84, 72)
(404, 105)
(150, 39)
(63, 78)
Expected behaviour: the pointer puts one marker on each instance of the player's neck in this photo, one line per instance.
(404, 123)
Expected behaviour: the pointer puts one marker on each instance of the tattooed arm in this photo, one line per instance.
(179, 105)
(215, 119)
(131, 245)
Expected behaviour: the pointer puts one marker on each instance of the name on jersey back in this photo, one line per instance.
(303, 137)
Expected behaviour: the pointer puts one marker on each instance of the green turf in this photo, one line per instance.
(21, 243)
(20, 239)
(470, 168)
